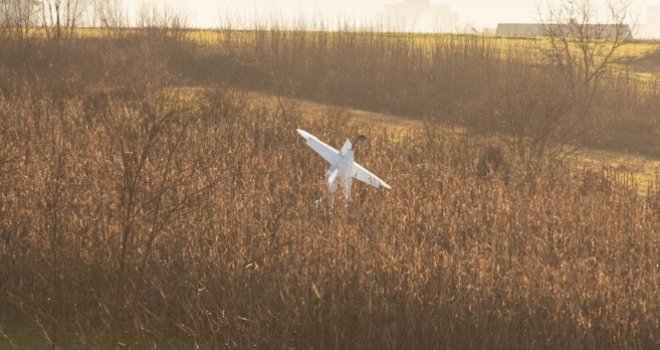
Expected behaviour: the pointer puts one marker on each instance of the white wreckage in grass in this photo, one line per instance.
(343, 168)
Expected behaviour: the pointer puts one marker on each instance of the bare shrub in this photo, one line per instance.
(493, 161)
(60, 18)
(582, 49)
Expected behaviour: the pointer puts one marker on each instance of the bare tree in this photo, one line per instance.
(60, 17)
(161, 20)
(109, 14)
(17, 17)
(583, 49)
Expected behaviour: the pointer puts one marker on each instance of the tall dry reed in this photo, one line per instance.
(136, 215)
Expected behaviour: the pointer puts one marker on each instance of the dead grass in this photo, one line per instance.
(133, 214)
(643, 170)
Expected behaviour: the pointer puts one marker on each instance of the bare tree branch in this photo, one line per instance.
(582, 48)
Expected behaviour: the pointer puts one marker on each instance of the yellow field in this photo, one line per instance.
(212, 36)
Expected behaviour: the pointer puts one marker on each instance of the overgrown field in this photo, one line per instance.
(478, 82)
(514, 45)
(134, 217)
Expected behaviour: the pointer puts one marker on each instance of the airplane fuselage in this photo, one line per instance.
(342, 171)
(347, 158)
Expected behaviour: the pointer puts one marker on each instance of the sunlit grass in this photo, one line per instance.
(642, 170)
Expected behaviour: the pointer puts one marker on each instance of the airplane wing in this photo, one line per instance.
(364, 175)
(328, 153)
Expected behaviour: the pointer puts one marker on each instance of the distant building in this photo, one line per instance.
(519, 29)
(604, 31)
(419, 15)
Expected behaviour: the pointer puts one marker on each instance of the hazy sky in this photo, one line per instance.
(481, 13)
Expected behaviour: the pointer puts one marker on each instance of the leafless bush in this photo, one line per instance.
(583, 50)
(17, 17)
(160, 21)
(537, 118)
(60, 18)
(493, 161)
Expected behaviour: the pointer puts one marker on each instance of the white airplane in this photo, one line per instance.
(343, 168)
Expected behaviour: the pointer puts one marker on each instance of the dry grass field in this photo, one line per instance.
(642, 170)
(154, 194)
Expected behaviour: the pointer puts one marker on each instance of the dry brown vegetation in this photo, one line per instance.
(133, 217)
